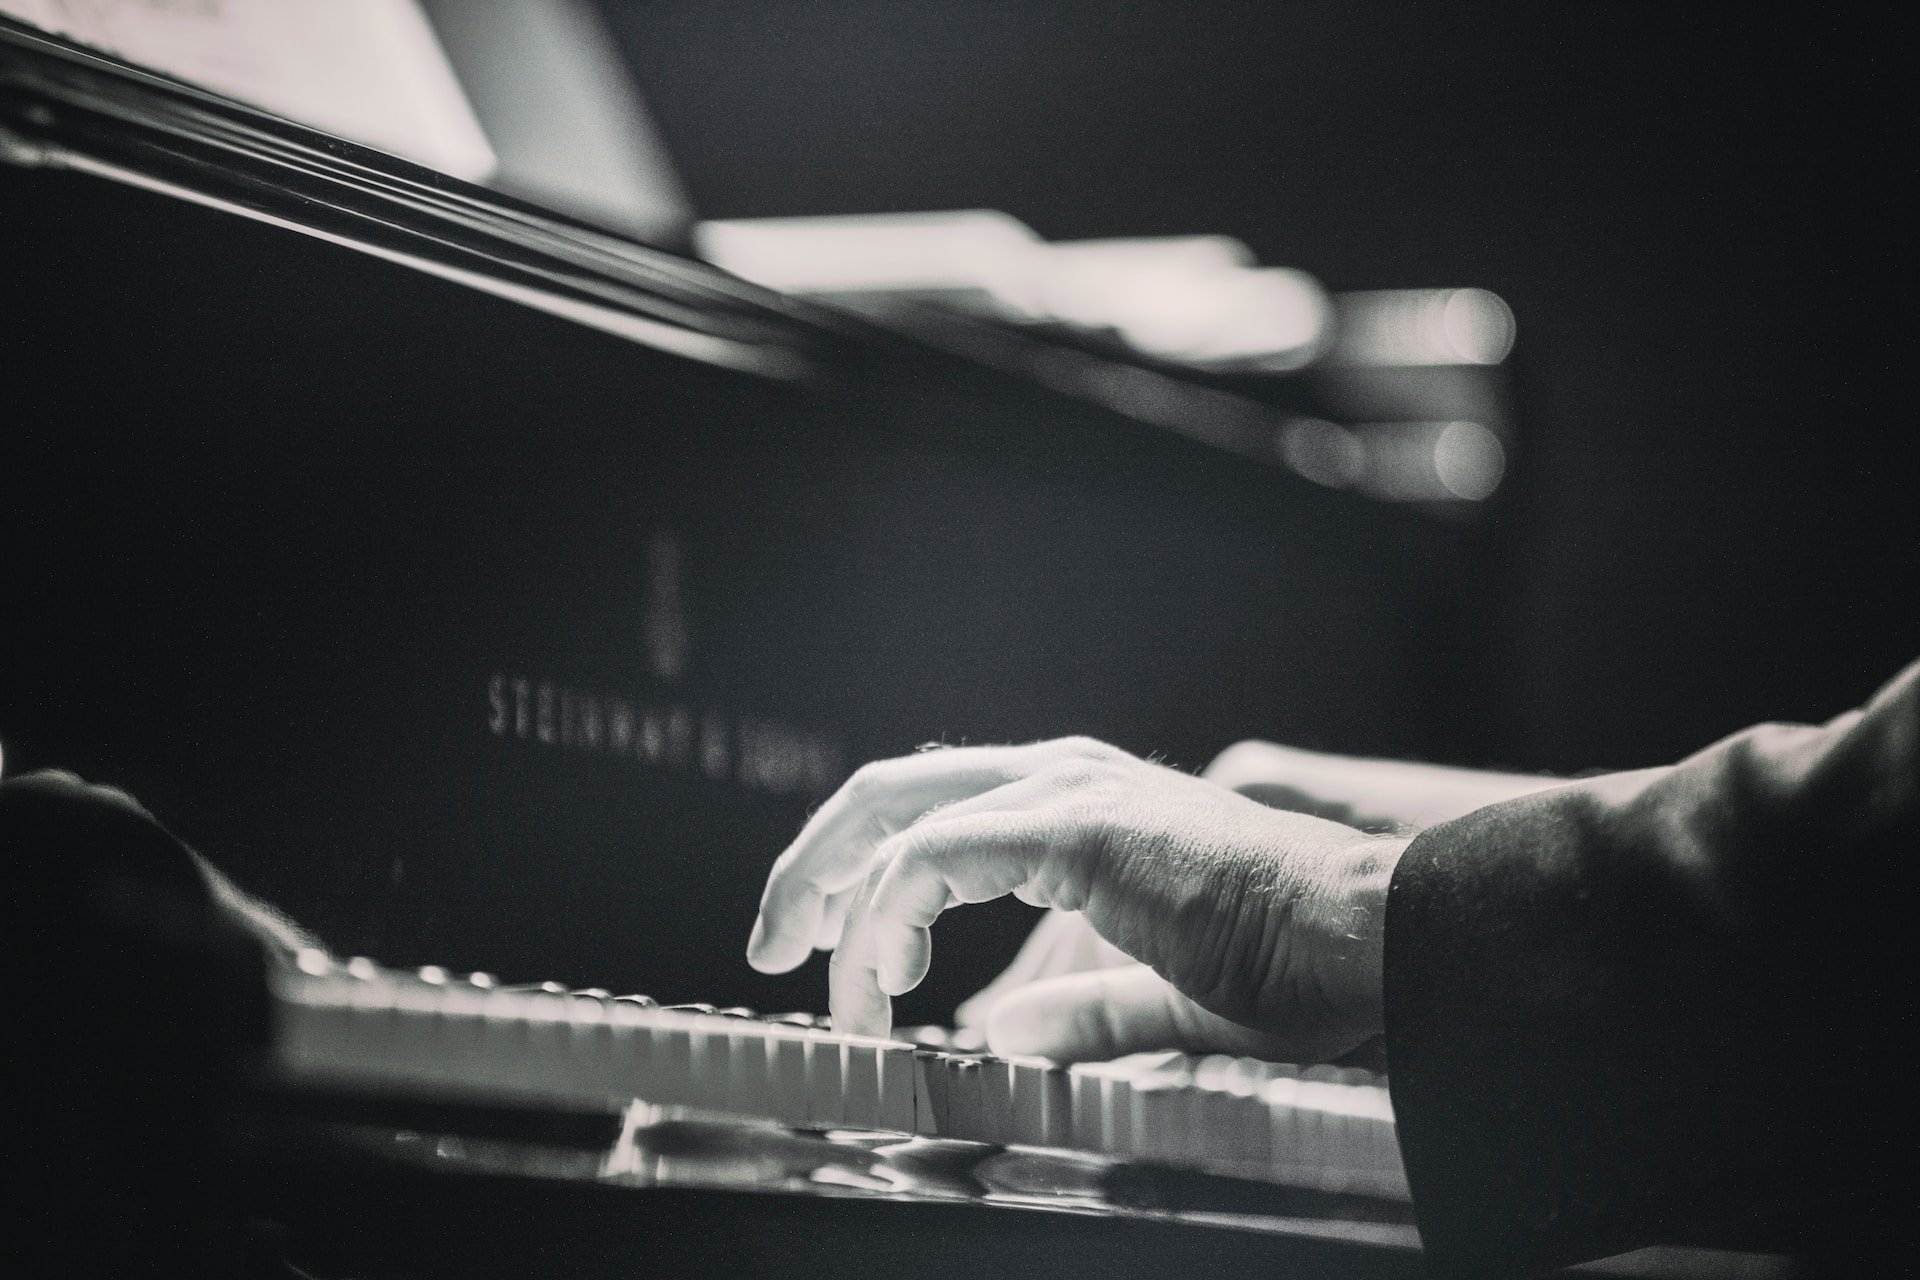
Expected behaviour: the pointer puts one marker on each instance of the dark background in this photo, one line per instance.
(275, 512)
(1691, 209)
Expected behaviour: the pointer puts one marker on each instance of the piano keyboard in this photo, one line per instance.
(357, 1025)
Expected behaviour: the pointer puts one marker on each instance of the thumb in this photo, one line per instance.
(1108, 1013)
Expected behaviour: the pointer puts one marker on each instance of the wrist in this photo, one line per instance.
(1356, 969)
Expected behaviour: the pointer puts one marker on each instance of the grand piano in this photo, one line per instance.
(494, 593)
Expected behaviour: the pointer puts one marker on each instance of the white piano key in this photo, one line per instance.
(463, 1029)
(315, 1033)
(1026, 1103)
(1103, 1114)
(1153, 1105)
(1056, 1114)
(860, 1080)
(1211, 1138)
(1085, 1131)
(748, 1069)
(491, 1041)
(1220, 1112)
(1116, 1113)
(826, 1102)
(1041, 1111)
(590, 1071)
(964, 1100)
(787, 1075)
(672, 1062)
(1244, 1079)
(1283, 1122)
(405, 1026)
(1320, 1133)
(1212, 1072)
(1379, 1155)
(1252, 1129)
(521, 1044)
(1323, 1124)
(1372, 1142)
(630, 1037)
(996, 1100)
(711, 1052)
(1253, 1133)
(897, 1113)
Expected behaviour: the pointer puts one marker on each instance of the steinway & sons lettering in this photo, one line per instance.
(764, 755)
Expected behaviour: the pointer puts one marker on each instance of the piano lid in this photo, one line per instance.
(66, 107)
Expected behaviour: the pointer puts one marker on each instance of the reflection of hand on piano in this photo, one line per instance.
(1263, 928)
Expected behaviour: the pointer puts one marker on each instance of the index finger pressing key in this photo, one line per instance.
(833, 850)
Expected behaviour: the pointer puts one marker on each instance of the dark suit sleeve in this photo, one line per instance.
(1642, 1007)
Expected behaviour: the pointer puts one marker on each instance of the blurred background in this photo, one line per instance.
(1631, 289)
(1711, 519)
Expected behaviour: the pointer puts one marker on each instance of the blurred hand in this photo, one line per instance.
(1388, 796)
(112, 825)
(1252, 930)
(1399, 796)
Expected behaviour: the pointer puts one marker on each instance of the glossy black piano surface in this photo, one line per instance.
(472, 635)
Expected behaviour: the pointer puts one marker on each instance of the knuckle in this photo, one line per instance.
(867, 782)
(875, 830)
(1083, 783)
(1073, 777)
(914, 846)
(1091, 824)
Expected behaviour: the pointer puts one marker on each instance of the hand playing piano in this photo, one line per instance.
(1248, 929)
(1385, 796)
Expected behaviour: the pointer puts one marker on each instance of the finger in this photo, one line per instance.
(854, 999)
(1251, 762)
(1108, 1013)
(973, 856)
(833, 920)
(834, 848)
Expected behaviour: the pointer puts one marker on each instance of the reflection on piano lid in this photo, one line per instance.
(358, 1026)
